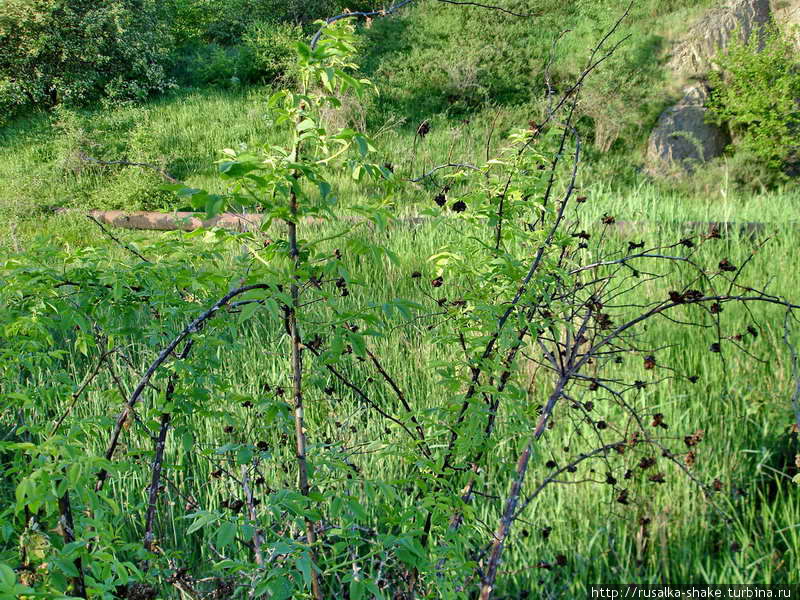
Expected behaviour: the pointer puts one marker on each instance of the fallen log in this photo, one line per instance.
(177, 221)
(189, 221)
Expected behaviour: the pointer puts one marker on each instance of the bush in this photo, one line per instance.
(270, 47)
(756, 95)
(76, 51)
(11, 98)
(226, 22)
(213, 64)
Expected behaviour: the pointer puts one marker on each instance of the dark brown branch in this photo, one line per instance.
(363, 396)
(80, 390)
(251, 514)
(358, 15)
(403, 400)
(133, 251)
(189, 330)
(155, 483)
(297, 373)
(67, 526)
(158, 459)
(490, 7)
(445, 166)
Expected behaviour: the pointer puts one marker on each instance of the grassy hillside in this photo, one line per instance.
(471, 72)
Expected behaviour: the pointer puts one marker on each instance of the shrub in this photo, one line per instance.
(11, 97)
(756, 94)
(411, 422)
(228, 21)
(213, 64)
(270, 50)
(75, 51)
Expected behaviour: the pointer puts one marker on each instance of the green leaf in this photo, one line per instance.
(305, 125)
(226, 534)
(68, 567)
(248, 310)
(203, 518)
(214, 205)
(244, 455)
(363, 145)
(7, 577)
(357, 589)
(305, 565)
(324, 189)
(187, 441)
(303, 50)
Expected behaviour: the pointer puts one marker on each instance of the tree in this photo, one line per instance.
(75, 51)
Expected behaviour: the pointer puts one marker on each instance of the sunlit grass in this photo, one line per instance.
(747, 533)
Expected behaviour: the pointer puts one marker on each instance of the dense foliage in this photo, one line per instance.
(76, 51)
(756, 96)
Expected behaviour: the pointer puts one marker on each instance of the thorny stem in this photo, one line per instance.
(155, 480)
(251, 514)
(504, 526)
(158, 460)
(81, 389)
(404, 401)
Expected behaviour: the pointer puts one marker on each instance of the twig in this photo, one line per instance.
(125, 163)
(358, 15)
(81, 389)
(795, 370)
(490, 7)
(158, 458)
(445, 166)
(189, 330)
(67, 526)
(121, 244)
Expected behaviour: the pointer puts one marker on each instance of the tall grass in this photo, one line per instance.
(41, 168)
(747, 532)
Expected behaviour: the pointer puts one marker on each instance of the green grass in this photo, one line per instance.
(742, 406)
(41, 168)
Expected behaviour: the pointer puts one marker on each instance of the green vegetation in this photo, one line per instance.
(356, 494)
(757, 99)
(54, 52)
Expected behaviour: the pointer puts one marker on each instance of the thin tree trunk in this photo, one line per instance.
(155, 480)
(297, 393)
(504, 526)
(68, 533)
(509, 512)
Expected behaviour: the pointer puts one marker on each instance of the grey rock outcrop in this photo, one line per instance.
(694, 56)
(682, 138)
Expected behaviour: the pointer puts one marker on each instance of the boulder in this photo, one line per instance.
(682, 138)
(694, 55)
